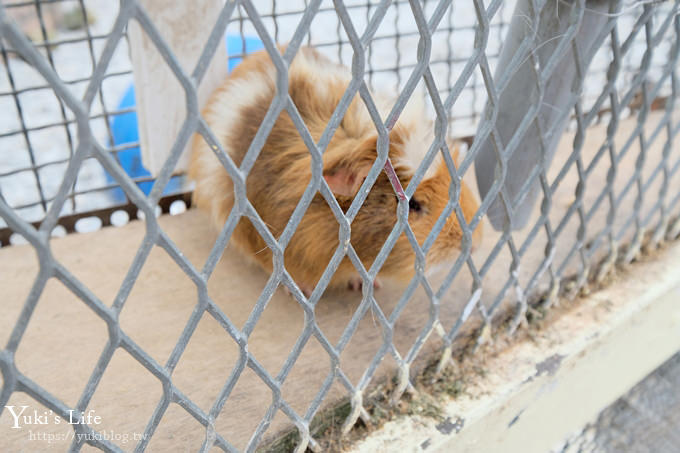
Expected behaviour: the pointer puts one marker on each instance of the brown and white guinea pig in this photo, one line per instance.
(282, 171)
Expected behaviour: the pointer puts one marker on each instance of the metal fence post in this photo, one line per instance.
(533, 50)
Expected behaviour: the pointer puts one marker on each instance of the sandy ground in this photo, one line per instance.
(64, 339)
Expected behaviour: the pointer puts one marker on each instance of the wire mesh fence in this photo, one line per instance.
(36, 122)
(598, 205)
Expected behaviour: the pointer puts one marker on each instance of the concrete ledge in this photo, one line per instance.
(545, 387)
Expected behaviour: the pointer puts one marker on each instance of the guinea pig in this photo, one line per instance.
(283, 170)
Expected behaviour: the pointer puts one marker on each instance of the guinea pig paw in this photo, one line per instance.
(305, 290)
(356, 283)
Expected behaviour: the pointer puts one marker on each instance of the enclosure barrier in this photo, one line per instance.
(612, 60)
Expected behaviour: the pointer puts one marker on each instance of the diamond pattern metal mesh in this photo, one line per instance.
(655, 24)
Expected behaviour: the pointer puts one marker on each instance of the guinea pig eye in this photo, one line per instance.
(413, 205)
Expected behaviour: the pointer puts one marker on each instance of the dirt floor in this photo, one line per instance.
(64, 338)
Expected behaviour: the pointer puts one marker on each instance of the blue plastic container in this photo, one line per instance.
(124, 126)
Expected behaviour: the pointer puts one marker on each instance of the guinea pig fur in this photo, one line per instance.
(282, 171)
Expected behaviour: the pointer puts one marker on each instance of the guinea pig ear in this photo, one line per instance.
(346, 182)
(345, 170)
